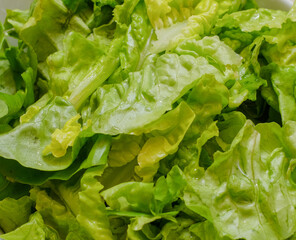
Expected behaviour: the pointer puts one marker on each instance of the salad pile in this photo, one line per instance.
(148, 119)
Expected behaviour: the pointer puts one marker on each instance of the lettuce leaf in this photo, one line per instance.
(93, 215)
(136, 44)
(126, 107)
(45, 29)
(247, 20)
(282, 79)
(124, 149)
(18, 70)
(131, 198)
(68, 67)
(164, 138)
(181, 20)
(254, 186)
(32, 137)
(10, 189)
(96, 149)
(206, 231)
(34, 229)
(14, 213)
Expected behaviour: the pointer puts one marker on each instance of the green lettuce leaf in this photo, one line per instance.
(168, 190)
(14, 213)
(93, 216)
(207, 99)
(206, 231)
(32, 137)
(74, 63)
(62, 139)
(124, 149)
(93, 68)
(2, 39)
(103, 12)
(132, 198)
(250, 80)
(67, 67)
(116, 175)
(137, 41)
(141, 228)
(12, 189)
(18, 69)
(181, 229)
(15, 20)
(78, 213)
(282, 80)
(126, 48)
(47, 26)
(247, 20)
(241, 28)
(280, 48)
(34, 229)
(182, 20)
(198, 155)
(126, 107)
(75, 5)
(165, 136)
(57, 216)
(229, 125)
(149, 228)
(96, 149)
(254, 186)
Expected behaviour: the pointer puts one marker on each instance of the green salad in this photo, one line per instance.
(147, 120)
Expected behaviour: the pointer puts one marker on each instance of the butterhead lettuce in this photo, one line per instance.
(148, 120)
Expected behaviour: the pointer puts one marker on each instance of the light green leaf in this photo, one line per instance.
(247, 20)
(7, 83)
(33, 109)
(68, 66)
(99, 70)
(137, 41)
(134, 198)
(15, 20)
(124, 149)
(168, 190)
(206, 231)
(57, 216)
(96, 149)
(18, 70)
(130, 196)
(126, 107)
(176, 21)
(207, 99)
(47, 26)
(283, 80)
(253, 186)
(14, 213)
(32, 230)
(93, 215)
(63, 138)
(229, 125)
(26, 142)
(178, 230)
(165, 136)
